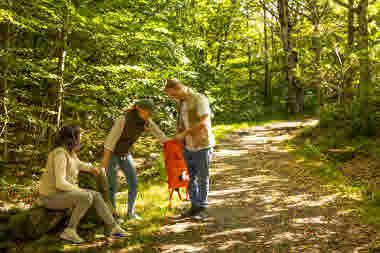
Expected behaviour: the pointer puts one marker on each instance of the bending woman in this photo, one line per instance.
(117, 146)
(59, 189)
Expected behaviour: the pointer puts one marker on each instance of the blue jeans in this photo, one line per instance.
(129, 170)
(198, 165)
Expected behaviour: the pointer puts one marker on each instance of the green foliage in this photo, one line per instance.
(118, 51)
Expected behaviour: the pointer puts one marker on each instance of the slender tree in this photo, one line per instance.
(365, 72)
(62, 34)
(267, 78)
(5, 84)
(287, 38)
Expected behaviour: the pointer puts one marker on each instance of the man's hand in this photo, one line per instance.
(148, 125)
(179, 137)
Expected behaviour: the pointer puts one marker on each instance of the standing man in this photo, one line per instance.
(194, 131)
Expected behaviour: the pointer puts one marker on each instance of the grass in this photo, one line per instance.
(315, 147)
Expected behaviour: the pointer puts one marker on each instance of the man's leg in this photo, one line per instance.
(203, 159)
(193, 173)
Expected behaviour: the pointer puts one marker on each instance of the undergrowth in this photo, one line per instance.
(344, 160)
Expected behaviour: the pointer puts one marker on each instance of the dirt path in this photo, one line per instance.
(255, 207)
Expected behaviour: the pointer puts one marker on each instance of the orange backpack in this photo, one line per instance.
(176, 169)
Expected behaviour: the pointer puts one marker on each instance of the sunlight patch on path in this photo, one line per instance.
(292, 124)
(302, 200)
(229, 244)
(170, 248)
(184, 226)
(231, 232)
(229, 152)
(231, 191)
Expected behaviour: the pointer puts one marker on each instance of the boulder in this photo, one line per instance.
(7, 245)
(33, 223)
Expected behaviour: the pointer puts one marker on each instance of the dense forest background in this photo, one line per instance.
(85, 60)
(73, 60)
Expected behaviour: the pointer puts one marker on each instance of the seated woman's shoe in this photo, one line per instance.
(71, 235)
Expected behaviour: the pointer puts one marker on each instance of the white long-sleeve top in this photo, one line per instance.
(61, 173)
(118, 127)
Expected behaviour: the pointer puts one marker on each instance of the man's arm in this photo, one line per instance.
(196, 128)
(204, 112)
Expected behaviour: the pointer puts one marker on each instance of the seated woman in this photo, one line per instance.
(59, 189)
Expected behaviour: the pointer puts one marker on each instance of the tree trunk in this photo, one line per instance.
(317, 49)
(223, 44)
(249, 52)
(62, 40)
(365, 75)
(348, 94)
(267, 81)
(224, 40)
(274, 47)
(350, 23)
(290, 56)
(4, 87)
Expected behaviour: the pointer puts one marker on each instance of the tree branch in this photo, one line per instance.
(340, 2)
(268, 10)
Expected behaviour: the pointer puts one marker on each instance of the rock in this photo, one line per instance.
(4, 195)
(3, 226)
(35, 222)
(7, 245)
(341, 155)
(46, 244)
(4, 214)
(4, 235)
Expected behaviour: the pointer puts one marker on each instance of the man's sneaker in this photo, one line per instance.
(133, 216)
(193, 210)
(201, 215)
(71, 235)
(118, 232)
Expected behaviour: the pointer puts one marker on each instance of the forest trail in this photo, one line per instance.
(256, 207)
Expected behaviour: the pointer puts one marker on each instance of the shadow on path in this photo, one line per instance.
(254, 207)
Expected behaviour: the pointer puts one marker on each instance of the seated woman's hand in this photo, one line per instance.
(95, 171)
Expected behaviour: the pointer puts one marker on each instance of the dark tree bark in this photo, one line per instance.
(267, 80)
(290, 55)
(4, 88)
(365, 73)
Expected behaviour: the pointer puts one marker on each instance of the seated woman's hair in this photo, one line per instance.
(68, 137)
